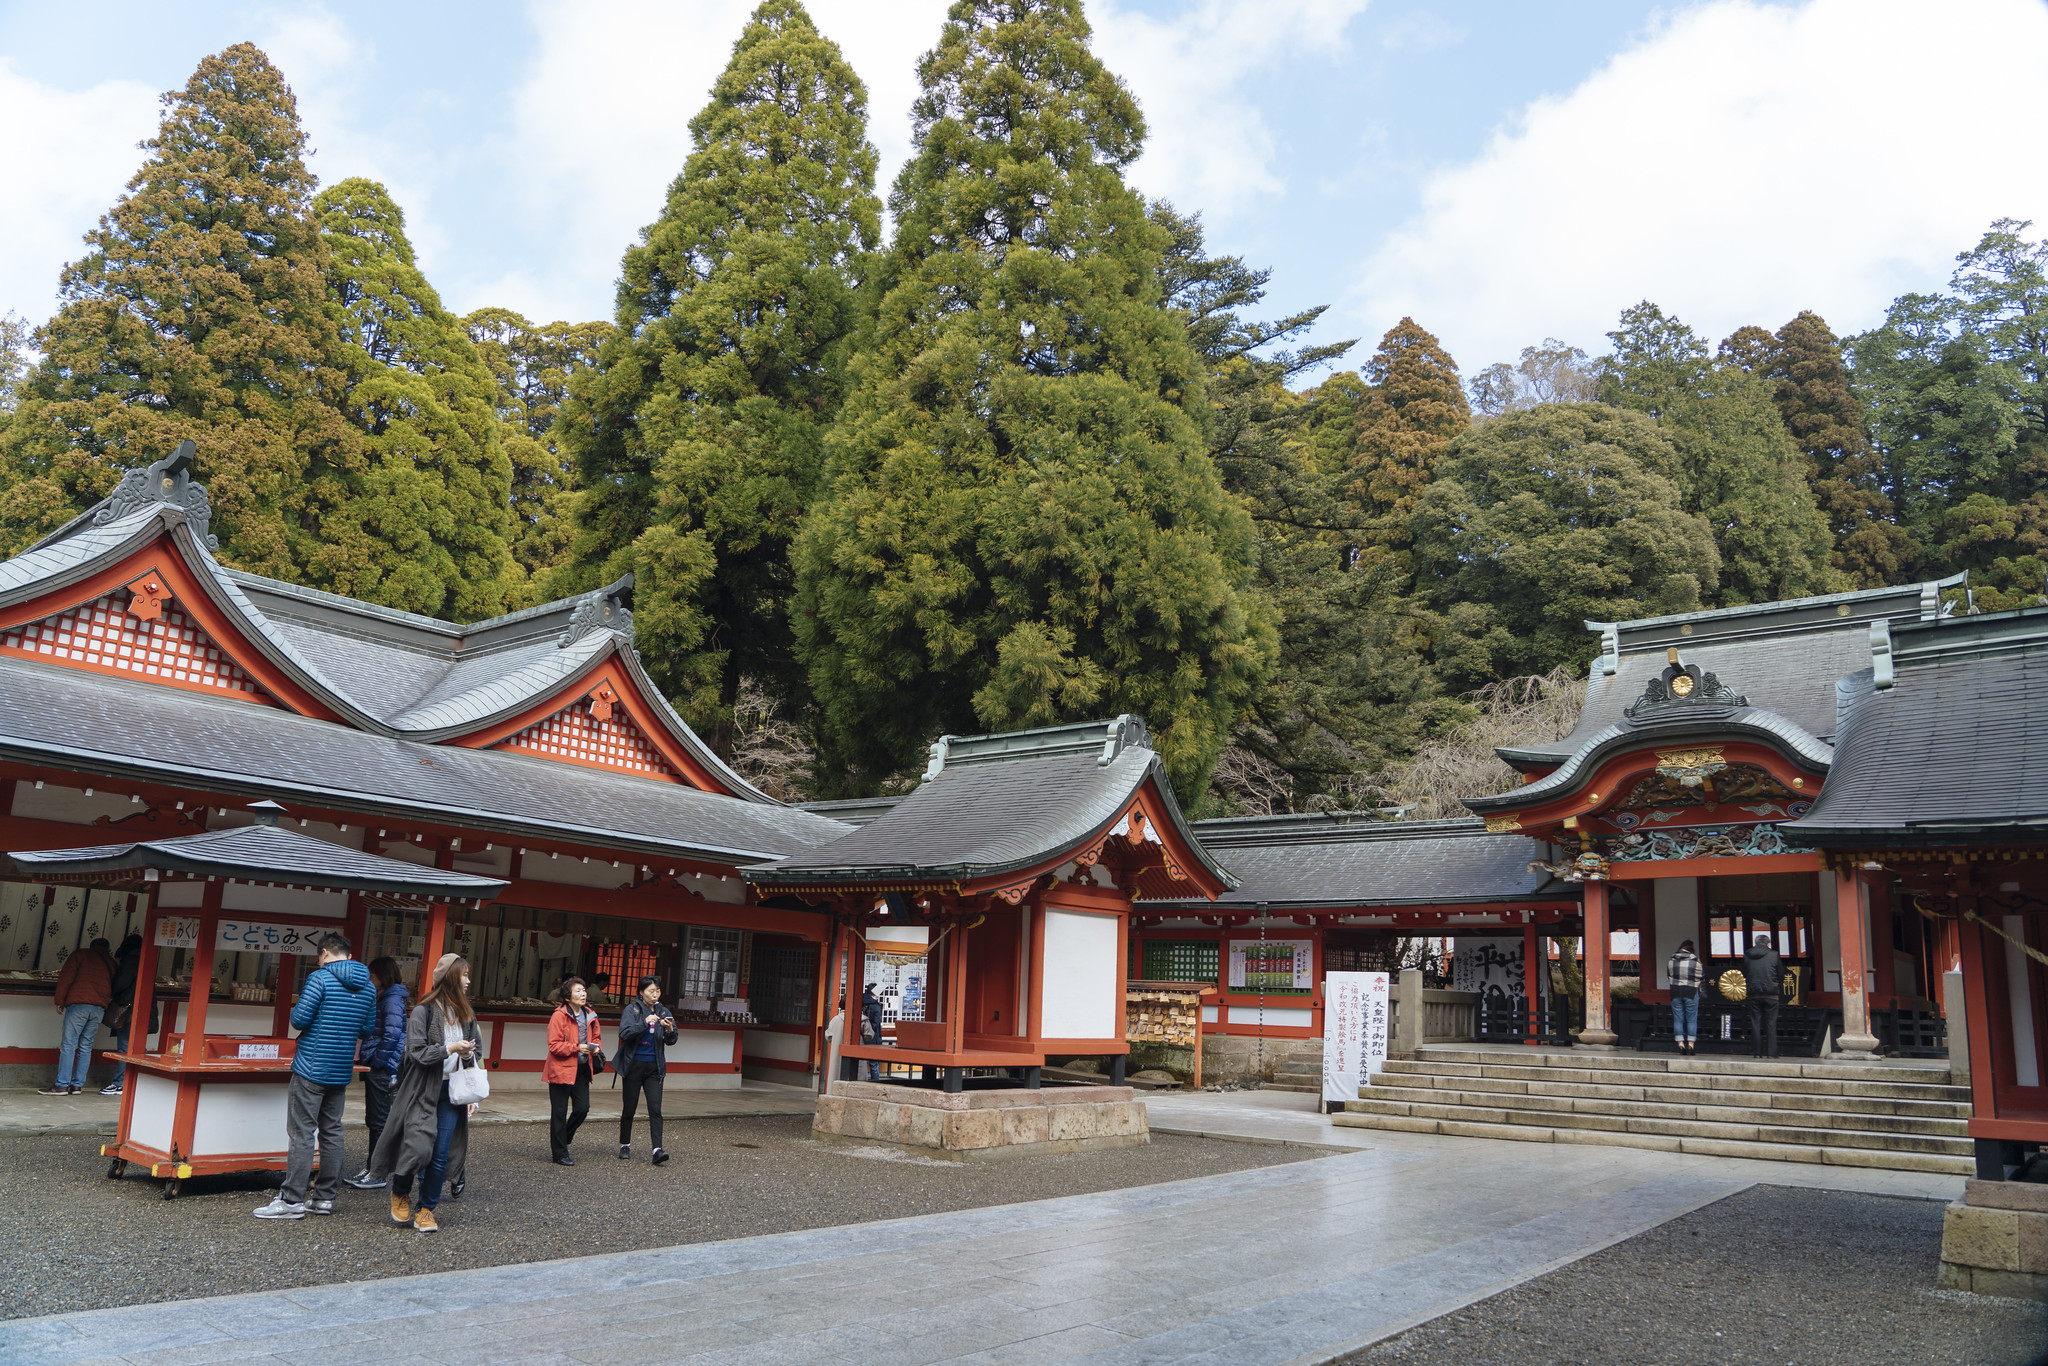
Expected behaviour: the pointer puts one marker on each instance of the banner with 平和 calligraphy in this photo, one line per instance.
(257, 936)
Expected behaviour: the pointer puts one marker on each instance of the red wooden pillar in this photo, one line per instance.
(1599, 942)
(1852, 922)
(437, 934)
(1533, 968)
(202, 969)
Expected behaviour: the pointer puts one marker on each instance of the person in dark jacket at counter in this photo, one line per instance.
(382, 1054)
(127, 964)
(85, 987)
(1762, 971)
(334, 1013)
(646, 1029)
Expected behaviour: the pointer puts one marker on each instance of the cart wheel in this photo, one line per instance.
(171, 1188)
(116, 1168)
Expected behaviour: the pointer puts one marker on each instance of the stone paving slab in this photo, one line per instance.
(1268, 1267)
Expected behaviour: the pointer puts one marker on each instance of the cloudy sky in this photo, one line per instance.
(1501, 170)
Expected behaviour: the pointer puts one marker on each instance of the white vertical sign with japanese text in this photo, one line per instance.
(1357, 1020)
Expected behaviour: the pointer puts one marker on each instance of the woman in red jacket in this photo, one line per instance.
(574, 1046)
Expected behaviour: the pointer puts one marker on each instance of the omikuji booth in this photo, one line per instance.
(209, 1096)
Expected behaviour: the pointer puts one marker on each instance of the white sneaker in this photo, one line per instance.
(112, 1088)
(281, 1208)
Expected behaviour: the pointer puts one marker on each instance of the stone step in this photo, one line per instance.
(1778, 1134)
(1804, 1098)
(1825, 1080)
(1713, 1147)
(1813, 1118)
(1297, 1087)
(1929, 1073)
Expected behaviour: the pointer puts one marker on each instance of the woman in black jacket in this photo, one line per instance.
(382, 1054)
(121, 1008)
(646, 1029)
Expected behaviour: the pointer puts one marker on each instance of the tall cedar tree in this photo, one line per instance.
(699, 435)
(1734, 463)
(1024, 525)
(1414, 408)
(1542, 519)
(1349, 686)
(199, 312)
(424, 512)
(1810, 381)
(532, 366)
(1957, 389)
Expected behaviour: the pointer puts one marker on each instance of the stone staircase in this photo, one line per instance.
(1906, 1117)
(1300, 1070)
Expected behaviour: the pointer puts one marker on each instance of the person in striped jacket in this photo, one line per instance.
(1686, 973)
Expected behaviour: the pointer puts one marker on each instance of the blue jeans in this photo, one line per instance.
(74, 1055)
(436, 1173)
(1685, 1018)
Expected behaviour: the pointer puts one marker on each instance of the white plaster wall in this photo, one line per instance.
(1678, 919)
(238, 1117)
(283, 901)
(1081, 999)
(524, 1042)
(705, 1045)
(1283, 1017)
(768, 1043)
(30, 1022)
(156, 1105)
(574, 872)
(182, 895)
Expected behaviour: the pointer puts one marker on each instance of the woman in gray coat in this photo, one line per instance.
(427, 1135)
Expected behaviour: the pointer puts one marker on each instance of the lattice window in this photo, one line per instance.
(578, 736)
(103, 635)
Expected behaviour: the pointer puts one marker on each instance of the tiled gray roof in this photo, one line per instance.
(380, 669)
(120, 727)
(1955, 751)
(998, 804)
(265, 853)
(1784, 656)
(1337, 860)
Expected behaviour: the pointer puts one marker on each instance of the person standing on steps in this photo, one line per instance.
(382, 1053)
(427, 1134)
(335, 1011)
(1761, 969)
(85, 987)
(646, 1029)
(1686, 973)
(575, 1053)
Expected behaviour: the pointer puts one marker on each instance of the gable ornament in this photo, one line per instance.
(1679, 686)
(167, 482)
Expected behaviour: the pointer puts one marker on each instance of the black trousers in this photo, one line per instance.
(376, 1104)
(642, 1076)
(1763, 1025)
(568, 1106)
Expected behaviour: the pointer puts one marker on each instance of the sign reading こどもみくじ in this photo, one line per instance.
(257, 936)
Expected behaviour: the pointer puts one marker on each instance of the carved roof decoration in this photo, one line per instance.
(169, 482)
(1682, 685)
(373, 668)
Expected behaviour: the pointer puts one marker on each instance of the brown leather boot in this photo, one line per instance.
(424, 1221)
(401, 1208)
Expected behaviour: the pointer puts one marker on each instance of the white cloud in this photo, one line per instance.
(602, 121)
(1738, 164)
(1209, 146)
(64, 160)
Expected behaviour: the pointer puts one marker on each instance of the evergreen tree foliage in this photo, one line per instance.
(199, 310)
(1957, 390)
(1734, 463)
(699, 434)
(1414, 408)
(425, 506)
(532, 366)
(1541, 520)
(1810, 381)
(1024, 524)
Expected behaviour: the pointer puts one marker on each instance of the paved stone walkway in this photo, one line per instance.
(1290, 1264)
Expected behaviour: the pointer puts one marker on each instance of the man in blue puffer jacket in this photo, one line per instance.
(337, 1009)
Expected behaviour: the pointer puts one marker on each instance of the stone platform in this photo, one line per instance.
(975, 1125)
(1994, 1241)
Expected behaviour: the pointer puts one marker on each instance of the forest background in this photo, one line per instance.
(1033, 455)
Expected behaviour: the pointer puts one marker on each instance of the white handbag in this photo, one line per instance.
(468, 1084)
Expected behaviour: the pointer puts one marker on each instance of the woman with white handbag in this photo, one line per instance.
(438, 1080)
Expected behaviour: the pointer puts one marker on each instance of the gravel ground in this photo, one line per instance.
(1771, 1276)
(75, 1240)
